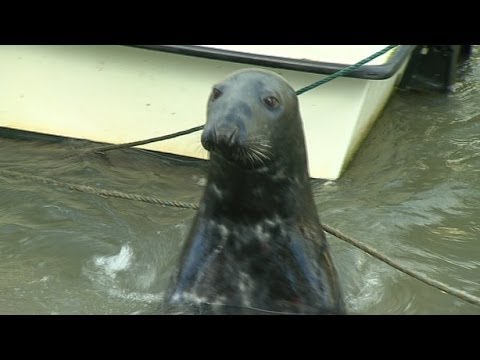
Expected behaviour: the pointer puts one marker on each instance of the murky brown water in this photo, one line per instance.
(412, 192)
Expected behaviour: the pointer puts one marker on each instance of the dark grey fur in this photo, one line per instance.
(256, 244)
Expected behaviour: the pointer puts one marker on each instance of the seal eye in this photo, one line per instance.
(271, 101)
(216, 94)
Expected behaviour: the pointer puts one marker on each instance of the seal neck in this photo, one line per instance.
(280, 189)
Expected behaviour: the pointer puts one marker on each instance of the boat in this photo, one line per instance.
(123, 93)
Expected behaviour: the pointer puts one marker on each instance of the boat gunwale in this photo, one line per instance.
(369, 72)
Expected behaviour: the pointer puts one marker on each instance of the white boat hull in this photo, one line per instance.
(118, 94)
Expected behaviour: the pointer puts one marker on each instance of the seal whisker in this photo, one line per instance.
(260, 160)
(260, 153)
(260, 141)
(265, 156)
(265, 145)
(251, 157)
(256, 157)
(261, 145)
(241, 154)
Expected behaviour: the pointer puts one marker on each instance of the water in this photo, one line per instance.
(411, 192)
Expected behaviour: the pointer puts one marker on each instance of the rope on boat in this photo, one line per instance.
(143, 142)
(345, 71)
(472, 299)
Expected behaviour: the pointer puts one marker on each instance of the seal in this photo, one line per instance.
(256, 244)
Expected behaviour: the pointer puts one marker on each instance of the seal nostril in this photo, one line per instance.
(225, 136)
(233, 137)
(214, 137)
(206, 143)
(208, 139)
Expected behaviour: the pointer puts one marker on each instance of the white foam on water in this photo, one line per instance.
(136, 296)
(115, 263)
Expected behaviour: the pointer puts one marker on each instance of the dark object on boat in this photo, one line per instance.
(374, 72)
(434, 67)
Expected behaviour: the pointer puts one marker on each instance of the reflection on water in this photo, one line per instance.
(412, 192)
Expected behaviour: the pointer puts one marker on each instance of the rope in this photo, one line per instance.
(101, 192)
(342, 72)
(472, 299)
(147, 141)
(345, 71)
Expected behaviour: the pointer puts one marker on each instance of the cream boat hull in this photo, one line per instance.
(118, 94)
